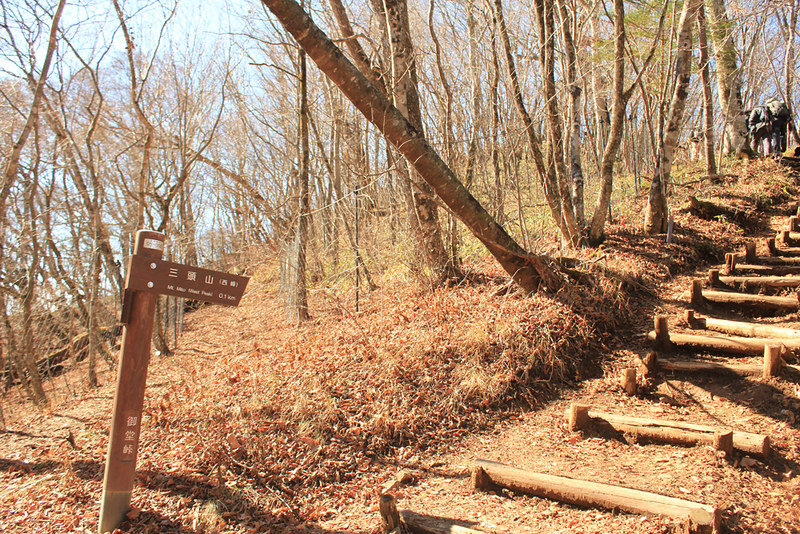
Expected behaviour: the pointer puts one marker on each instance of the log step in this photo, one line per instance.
(784, 252)
(700, 518)
(740, 369)
(756, 281)
(669, 431)
(700, 297)
(776, 333)
(773, 270)
(728, 345)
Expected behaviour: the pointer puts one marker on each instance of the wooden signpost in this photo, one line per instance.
(148, 276)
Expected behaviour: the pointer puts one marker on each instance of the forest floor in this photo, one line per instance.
(253, 425)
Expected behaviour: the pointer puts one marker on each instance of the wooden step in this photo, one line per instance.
(699, 518)
(668, 431)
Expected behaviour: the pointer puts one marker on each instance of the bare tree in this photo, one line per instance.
(422, 209)
(708, 103)
(10, 174)
(657, 210)
(568, 21)
(547, 175)
(293, 276)
(729, 78)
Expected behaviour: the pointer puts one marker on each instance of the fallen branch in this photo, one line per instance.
(425, 524)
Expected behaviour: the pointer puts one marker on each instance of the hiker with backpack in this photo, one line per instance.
(759, 125)
(781, 117)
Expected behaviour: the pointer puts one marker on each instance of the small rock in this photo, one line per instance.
(748, 462)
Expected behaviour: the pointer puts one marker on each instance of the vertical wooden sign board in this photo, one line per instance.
(148, 276)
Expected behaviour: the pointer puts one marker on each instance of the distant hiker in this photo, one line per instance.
(781, 116)
(759, 124)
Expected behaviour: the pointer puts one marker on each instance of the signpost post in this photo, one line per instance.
(148, 275)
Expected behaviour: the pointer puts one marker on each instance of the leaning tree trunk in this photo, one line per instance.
(656, 215)
(729, 79)
(790, 30)
(527, 270)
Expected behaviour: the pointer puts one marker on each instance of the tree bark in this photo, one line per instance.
(575, 97)
(708, 102)
(294, 287)
(546, 24)
(729, 79)
(422, 209)
(616, 129)
(475, 94)
(547, 178)
(527, 270)
(657, 210)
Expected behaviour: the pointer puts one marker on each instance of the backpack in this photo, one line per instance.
(759, 118)
(778, 108)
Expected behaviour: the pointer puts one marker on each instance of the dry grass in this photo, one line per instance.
(294, 408)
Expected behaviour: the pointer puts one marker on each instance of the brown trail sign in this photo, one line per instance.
(148, 276)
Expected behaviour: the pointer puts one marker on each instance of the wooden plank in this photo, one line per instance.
(740, 369)
(774, 270)
(686, 366)
(700, 518)
(678, 431)
(761, 281)
(729, 345)
(757, 302)
(788, 336)
(123, 441)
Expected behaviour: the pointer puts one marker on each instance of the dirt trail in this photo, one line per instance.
(51, 464)
(753, 494)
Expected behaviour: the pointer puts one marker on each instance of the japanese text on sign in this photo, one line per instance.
(185, 281)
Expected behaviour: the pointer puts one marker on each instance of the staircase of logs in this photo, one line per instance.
(740, 284)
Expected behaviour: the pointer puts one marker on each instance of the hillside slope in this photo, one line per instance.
(255, 425)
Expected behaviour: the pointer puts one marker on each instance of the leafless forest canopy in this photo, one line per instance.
(207, 123)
